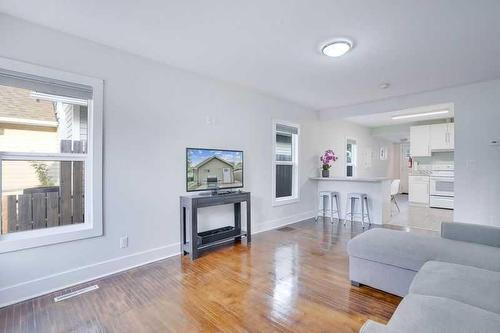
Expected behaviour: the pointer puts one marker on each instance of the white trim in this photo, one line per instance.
(285, 201)
(295, 163)
(41, 286)
(56, 98)
(31, 122)
(54, 282)
(40, 237)
(42, 156)
(278, 223)
(93, 166)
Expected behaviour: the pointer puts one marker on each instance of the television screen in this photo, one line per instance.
(212, 169)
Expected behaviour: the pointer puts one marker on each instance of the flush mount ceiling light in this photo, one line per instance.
(416, 115)
(337, 48)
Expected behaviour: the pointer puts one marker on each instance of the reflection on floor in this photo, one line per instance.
(294, 279)
(419, 217)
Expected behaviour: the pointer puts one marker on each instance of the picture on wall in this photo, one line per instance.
(383, 153)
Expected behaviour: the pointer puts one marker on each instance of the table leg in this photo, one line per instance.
(194, 231)
(237, 219)
(249, 221)
(183, 228)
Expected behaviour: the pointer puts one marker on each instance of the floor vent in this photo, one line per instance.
(286, 229)
(75, 293)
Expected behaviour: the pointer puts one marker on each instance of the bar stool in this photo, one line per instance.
(363, 199)
(329, 196)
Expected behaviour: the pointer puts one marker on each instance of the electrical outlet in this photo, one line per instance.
(210, 120)
(123, 242)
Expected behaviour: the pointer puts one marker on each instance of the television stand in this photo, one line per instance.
(224, 192)
(194, 242)
(218, 192)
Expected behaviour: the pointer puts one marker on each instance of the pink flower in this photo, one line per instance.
(328, 158)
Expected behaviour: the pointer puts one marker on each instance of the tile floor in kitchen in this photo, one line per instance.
(419, 217)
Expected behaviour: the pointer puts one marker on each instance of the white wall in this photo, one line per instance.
(152, 113)
(333, 135)
(477, 118)
(395, 161)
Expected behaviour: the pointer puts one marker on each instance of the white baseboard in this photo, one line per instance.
(274, 224)
(54, 282)
(50, 283)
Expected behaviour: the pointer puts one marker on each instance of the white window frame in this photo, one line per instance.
(295, 197)
(93, 225)
(354, 163)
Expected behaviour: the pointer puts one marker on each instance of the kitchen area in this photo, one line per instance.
(422, 162)
(431, 181)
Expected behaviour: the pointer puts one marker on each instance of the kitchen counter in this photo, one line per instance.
(352, 179)
(378, 190)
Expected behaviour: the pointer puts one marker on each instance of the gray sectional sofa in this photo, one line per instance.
(449, 283)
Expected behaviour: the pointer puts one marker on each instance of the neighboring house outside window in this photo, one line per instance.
(50, 165)
(285, 163)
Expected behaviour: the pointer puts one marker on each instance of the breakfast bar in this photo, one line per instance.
(378, 190)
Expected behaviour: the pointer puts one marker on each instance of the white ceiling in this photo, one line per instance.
(272, 45)
(385, 118)
(383, 126)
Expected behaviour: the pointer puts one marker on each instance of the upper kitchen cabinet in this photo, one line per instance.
(442, 137)
(428, 138)
(420, 140)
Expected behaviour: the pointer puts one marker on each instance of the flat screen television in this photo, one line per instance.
(213, 169)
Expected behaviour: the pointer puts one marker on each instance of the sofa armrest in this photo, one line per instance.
(371, 326)
(473, 233)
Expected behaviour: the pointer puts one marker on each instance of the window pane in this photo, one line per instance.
(41, 194)
(283, 147)
(41, 123)
(284, 178)
(350, 170)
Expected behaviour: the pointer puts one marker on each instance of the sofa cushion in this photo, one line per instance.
(411, 251)
(474, 233)
(371, 326)
(466, 284)
(419, 313)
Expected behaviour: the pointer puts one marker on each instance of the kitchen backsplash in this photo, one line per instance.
(423, 165)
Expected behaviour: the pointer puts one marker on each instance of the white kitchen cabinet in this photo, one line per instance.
(442, 136)
(420, 141)
(439, 136)
(418, 190)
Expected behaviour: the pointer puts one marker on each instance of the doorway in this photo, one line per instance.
(404, 166)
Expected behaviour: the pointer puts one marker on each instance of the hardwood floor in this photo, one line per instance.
(294, 279)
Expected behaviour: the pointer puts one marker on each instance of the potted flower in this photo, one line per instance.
(327, 159)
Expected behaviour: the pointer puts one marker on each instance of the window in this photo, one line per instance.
(50, 156)
(285, 163)
(351, 157)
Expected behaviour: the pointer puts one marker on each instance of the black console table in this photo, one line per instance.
(192, 241)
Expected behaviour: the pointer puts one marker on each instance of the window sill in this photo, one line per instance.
(43, 237)
(285, 201)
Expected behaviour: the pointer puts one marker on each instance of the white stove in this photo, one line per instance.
(442, 184)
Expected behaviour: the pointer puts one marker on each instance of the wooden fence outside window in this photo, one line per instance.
(46, 207)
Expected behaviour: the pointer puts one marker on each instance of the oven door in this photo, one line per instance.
(442, 186)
